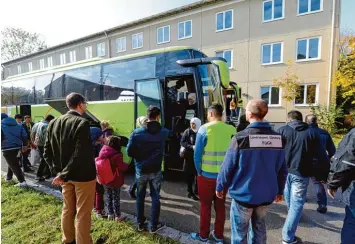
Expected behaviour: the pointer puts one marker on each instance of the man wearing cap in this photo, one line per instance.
(69, 150)
(146, 145)
(212, 142)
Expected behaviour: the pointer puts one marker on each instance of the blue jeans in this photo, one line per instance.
(321, 194)
(295, 197)
(154, 181)
(348, 233)
(244, 220)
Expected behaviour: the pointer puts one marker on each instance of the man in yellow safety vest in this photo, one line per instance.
(212, 142)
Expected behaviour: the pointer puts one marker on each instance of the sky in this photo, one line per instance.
(65, 20)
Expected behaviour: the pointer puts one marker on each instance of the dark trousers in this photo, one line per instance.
(25, 161)
(112, 201)
(133, 187)
(99, 198)
(191, 182)
(207, 195)
(12, 161)
(43, 168)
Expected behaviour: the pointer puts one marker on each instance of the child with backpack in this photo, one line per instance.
(110, 167)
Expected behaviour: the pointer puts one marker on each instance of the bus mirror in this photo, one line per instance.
(223, 71)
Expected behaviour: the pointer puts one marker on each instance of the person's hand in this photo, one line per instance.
(57, 181)
(331, 193)
(279, 198)
(219, 194)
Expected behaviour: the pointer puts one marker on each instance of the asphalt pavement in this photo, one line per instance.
(182, 213)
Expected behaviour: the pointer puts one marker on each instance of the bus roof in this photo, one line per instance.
(93, 61)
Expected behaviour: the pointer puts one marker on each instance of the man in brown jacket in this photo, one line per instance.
(68, 149)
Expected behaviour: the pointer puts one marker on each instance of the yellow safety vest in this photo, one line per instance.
(219, 136)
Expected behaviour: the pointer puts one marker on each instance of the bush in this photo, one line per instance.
(329, 119)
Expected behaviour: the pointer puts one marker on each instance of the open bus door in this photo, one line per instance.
(232, 93)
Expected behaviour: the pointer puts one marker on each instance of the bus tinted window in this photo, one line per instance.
(171, 67)
(6, 94)
(120, 76)
(198, 54)
(85, 81)
(23, 91)
(42, 85)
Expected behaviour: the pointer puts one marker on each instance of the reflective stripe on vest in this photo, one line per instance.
(219, 136)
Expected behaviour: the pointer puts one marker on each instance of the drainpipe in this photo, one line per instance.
(331, 56)
(109, 46)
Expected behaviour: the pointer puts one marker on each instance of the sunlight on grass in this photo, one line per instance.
(28, 216)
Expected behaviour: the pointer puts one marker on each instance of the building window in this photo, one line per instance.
(227, 55)
(72, 56)
(308, 95)
(224, 20)
(19, 69)
(271, 53)
(308, 49)
(273, 10)
(137, 40)
(88, 52)
(271, 95)
(101, 49)
(30, 67)
(185, 29)
(50, 61)
(309, 6)
(62, 58)
(41, 63)
(163, 34)
(121, 44)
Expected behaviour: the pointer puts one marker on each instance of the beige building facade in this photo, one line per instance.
(258, 39)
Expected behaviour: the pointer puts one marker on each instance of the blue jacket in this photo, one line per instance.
(146, 145)
(304, 151)
(254, 168)
(14, 135)
(326, 139)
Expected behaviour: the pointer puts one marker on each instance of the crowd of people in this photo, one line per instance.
(256, 165)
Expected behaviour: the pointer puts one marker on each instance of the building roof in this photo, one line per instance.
(174, 11)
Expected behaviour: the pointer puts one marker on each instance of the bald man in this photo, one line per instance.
(255, 172)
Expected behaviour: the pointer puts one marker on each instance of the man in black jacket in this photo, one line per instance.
(305, 156)
(27, 125)
(69, 150)
(342, 174)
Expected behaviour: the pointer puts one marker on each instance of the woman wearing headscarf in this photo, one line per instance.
(187, 151)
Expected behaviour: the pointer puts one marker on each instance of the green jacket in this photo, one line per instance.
(68, 148)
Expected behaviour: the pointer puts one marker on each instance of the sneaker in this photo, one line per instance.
(192, 196)
(141, 227)
(110, 217)
(157, 228)
(290, 242)
(120, 219)
(40, 178)
(217, 240)
(322, 209)
(197, 237)
(22, 184)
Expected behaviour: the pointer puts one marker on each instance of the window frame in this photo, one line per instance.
(316, 102)
(223, 51)
(184, 22)
(271, 52)
(61, 59)
(125, 46)
(88, 50)
(307, 49)
(224, 13)
(101, 44)
(138, 47)
(50, 64)
(30, 66)
(273, 12)
(72, 56)
(309, 8)
(162, 27)
(280, 95)
(41, 63)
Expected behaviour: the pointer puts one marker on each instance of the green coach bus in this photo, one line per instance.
(120, 89)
